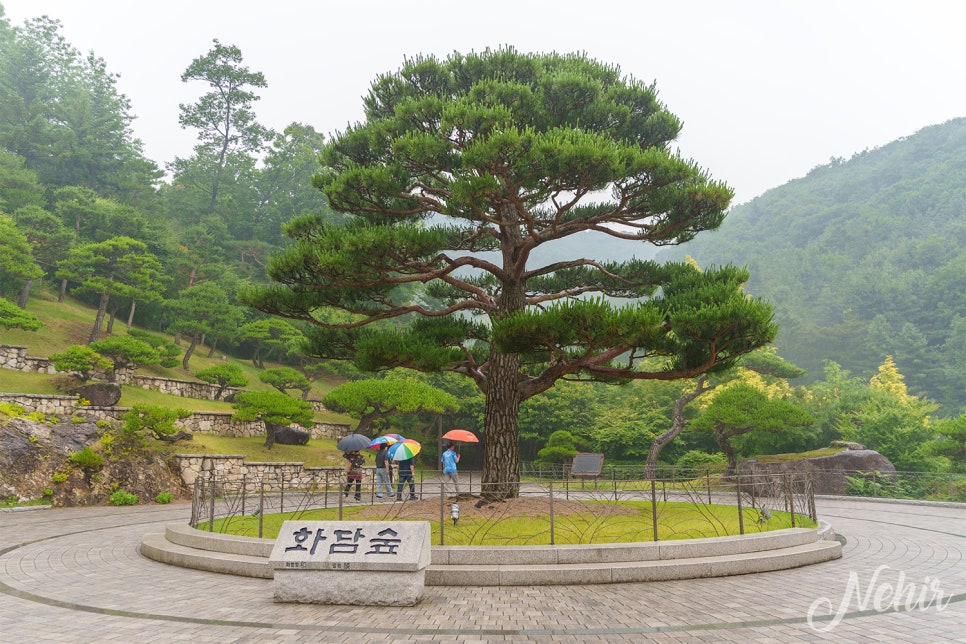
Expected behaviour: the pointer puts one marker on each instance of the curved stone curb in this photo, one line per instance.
(181, 545)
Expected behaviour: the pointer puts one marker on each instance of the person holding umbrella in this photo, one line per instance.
(449, 459)
(383, 471)
(353, 472)
(406, 474)
(403, 452)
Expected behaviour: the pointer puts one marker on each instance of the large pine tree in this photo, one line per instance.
(463, 167)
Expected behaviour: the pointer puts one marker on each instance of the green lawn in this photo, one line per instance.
(598, 525)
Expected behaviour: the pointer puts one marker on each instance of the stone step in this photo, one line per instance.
(156, 546)
(633, 571)
(613, 563)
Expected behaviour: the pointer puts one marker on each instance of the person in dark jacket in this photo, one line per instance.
(353, 472)
(383, 471)
(406, 474)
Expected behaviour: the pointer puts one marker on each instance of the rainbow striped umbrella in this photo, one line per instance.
(404, 449)
(387, 439)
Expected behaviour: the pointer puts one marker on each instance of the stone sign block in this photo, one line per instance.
(369, 563)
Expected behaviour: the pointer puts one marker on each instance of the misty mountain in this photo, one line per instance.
(863, 258)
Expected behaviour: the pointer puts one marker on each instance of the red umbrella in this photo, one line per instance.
(461, 435)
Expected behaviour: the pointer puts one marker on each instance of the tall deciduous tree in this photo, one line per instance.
(463, 168)
(284, 182)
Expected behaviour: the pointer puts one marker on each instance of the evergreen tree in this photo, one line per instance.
(462, 169)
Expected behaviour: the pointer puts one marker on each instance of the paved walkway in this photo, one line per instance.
(74, 575)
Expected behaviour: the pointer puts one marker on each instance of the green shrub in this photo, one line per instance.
(12, 409)
(560, 448)
(697, 462)
(59, 477)
(87, 459)
(120, 497)
(164, 498)
(37, 416)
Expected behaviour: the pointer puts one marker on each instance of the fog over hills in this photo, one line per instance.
(863, 258)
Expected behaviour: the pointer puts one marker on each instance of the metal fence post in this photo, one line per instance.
(813, 513)
(789, 502)
(442, 514)
(707, 475)
(654, 507)
(244, 487)
(281, 496)
(211, 506)
(551, 515)
(741, 515)
(340, 497)
(261, 507)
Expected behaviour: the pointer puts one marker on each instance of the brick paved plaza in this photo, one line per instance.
(75, 575)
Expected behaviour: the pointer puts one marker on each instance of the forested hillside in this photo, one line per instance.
(82, 208)
(864, 258)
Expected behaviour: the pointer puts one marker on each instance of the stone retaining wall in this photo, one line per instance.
(184, 388)
(234, 470)
(16, 358)
(60, 406)
(220, 423)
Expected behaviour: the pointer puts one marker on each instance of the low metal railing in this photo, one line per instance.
(564, 510)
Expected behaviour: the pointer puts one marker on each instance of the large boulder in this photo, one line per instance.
(828, 472)
(288, 435)
(100, 394)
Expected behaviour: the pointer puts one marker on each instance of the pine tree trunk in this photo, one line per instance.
(110, 321)
(501, 458)
(722, 439)
(99, 319)
(678, 424)
(270, 434)
(63, 291)
(24, 293)
(214, 343)
(130, 316)
(188, 352)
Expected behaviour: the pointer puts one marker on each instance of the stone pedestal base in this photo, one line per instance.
(353, 588)
(359, 563)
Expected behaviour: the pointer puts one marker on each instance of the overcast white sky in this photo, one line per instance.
(767, 89)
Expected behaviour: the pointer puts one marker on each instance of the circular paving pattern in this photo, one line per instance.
(75, 575)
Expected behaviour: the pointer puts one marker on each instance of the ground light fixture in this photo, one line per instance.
(454, 511)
